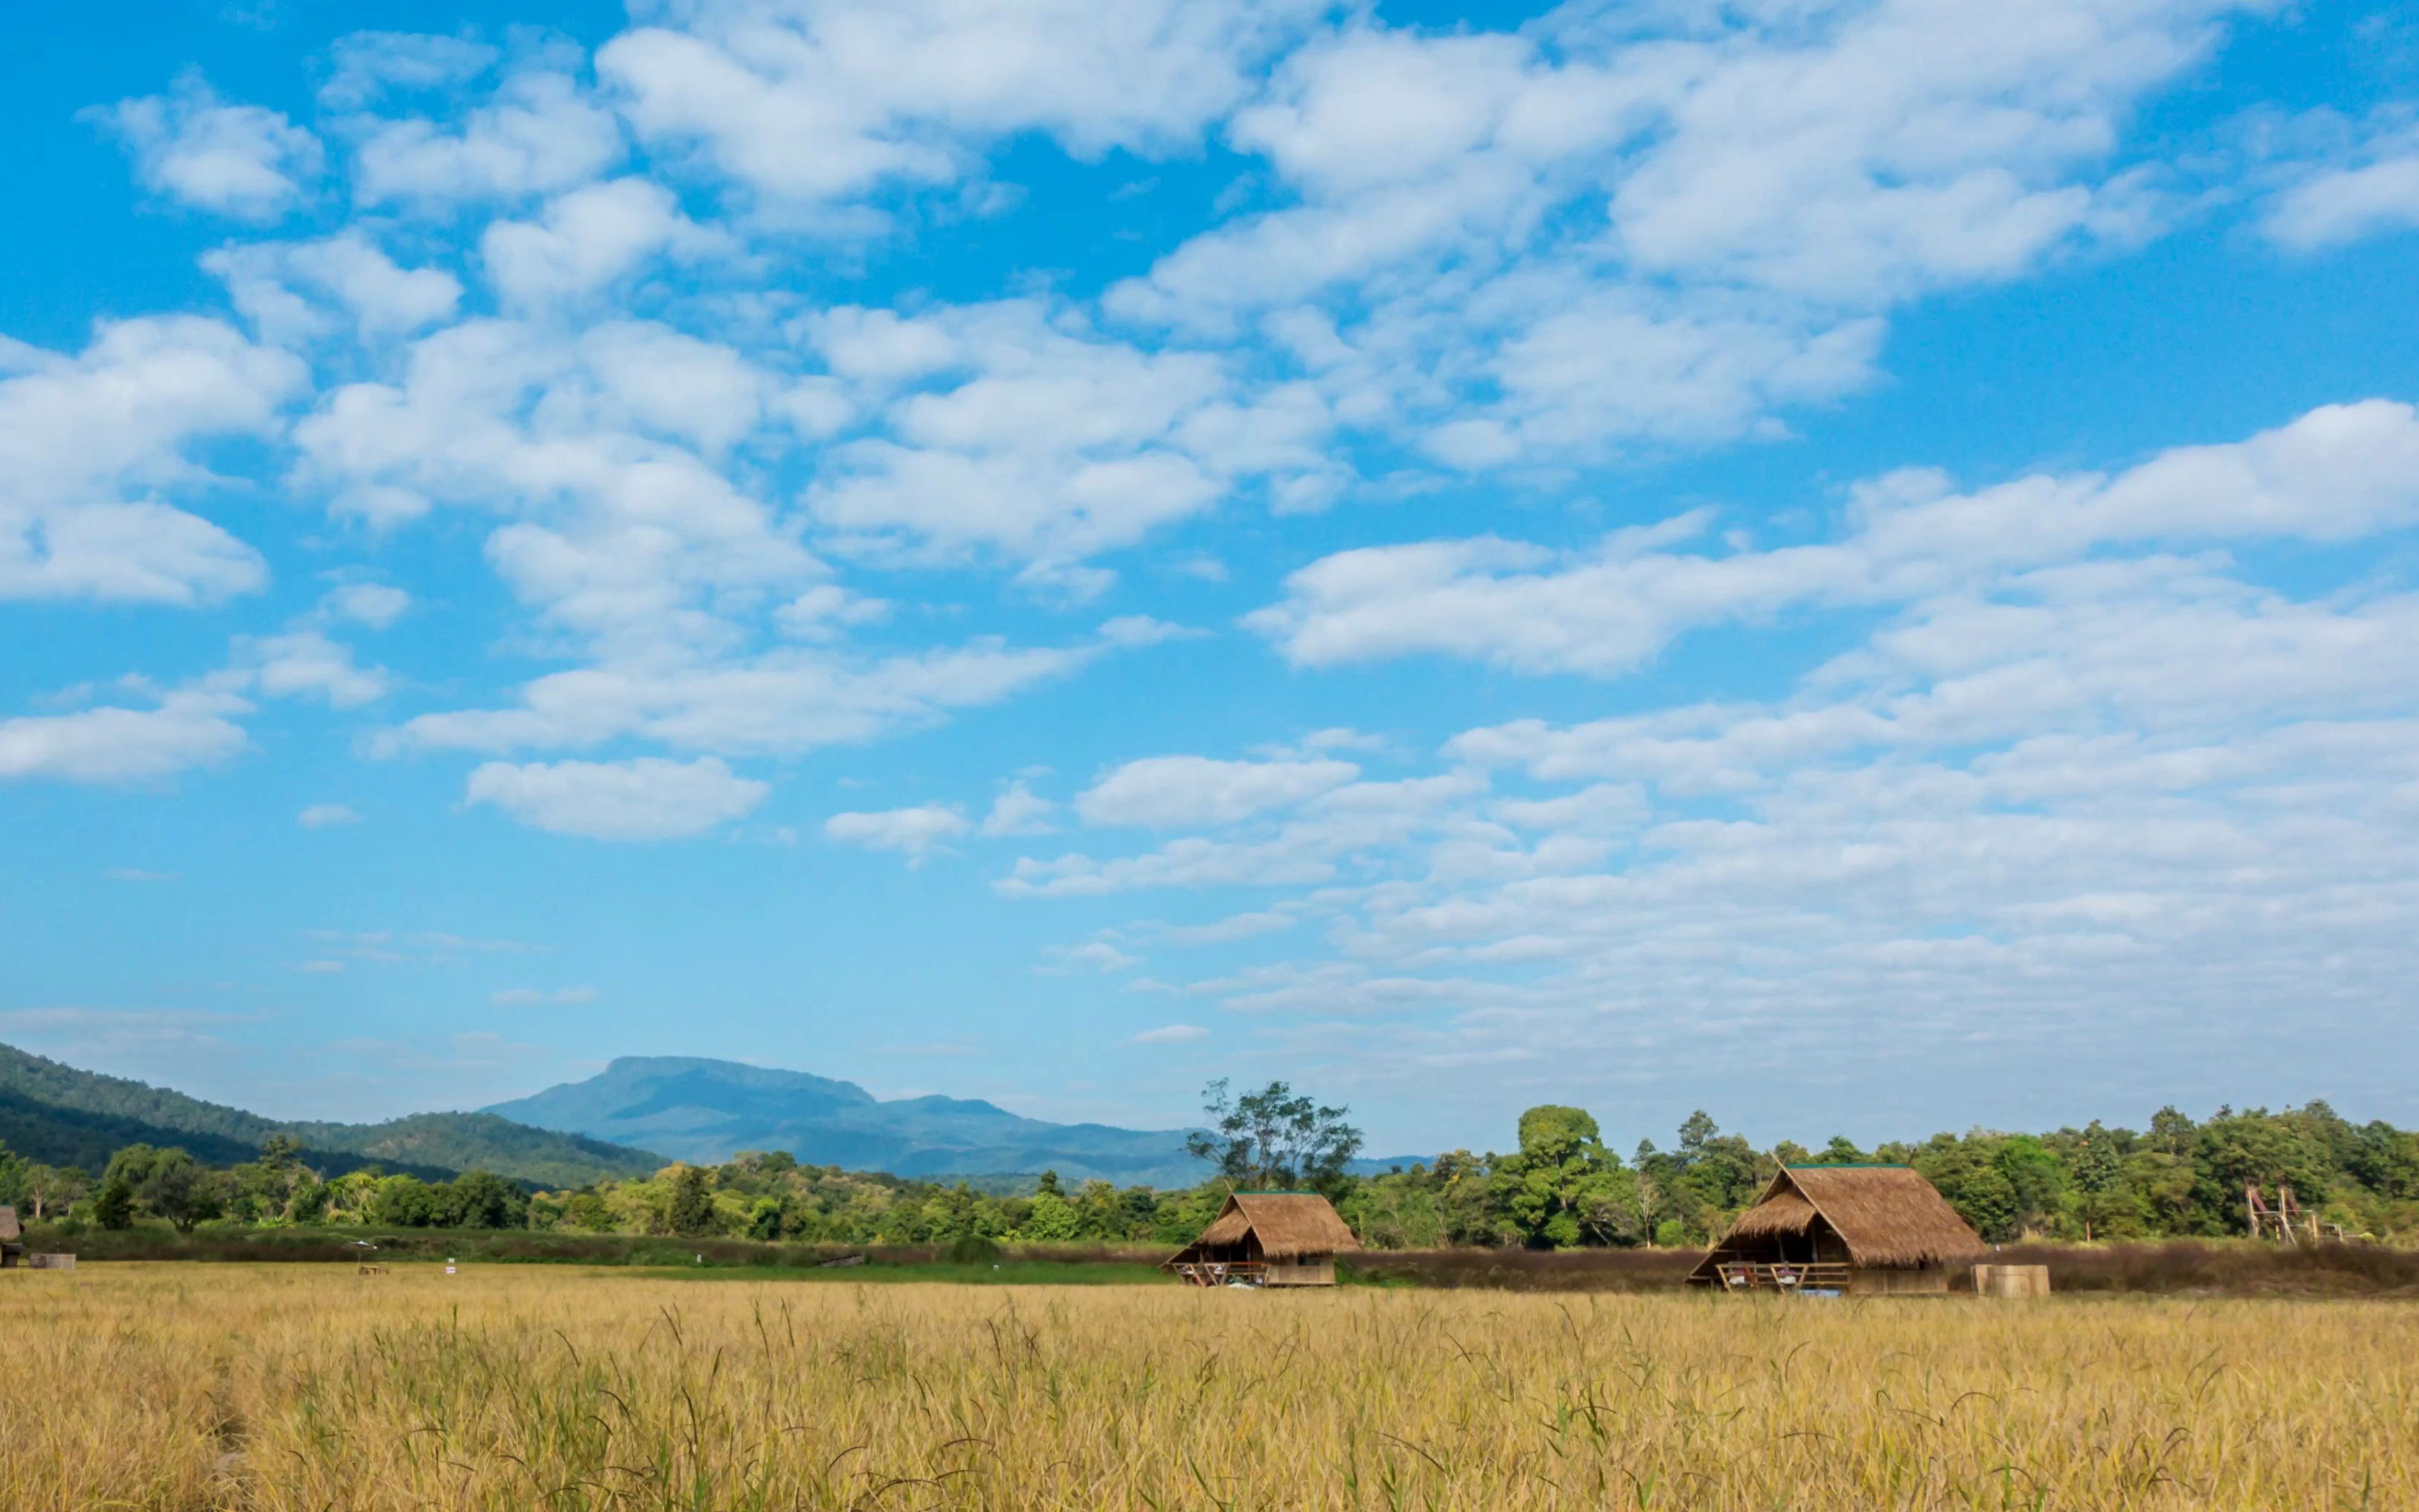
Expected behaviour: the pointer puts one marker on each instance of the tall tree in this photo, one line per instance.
(692, 1208)
(1275, 1138)
(1566, 1188)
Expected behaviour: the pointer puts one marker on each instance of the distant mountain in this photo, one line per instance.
(60, 1115)
(709, 1110)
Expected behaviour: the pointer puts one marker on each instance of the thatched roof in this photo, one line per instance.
(1887, 1215)
(1288, 1224)
(8, 1228)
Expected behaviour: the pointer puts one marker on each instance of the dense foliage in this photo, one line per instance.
(1563, 1188)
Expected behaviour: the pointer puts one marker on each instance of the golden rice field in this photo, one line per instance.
(303, 1388)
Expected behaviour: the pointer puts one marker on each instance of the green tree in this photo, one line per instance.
(1564, 1187)
(483, 1200)
(177, 1187)
(112, 1207)
(1972, 1184)
(1054, 1220)
(1275, 1138)
(692, 1209)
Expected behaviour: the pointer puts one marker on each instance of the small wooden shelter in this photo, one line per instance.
(10, 1237)
(1272, 1238)
(1865, 1228)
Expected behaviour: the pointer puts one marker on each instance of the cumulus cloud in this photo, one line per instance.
(1171, 1034)
(184, 727)
(2339, 472)
(1014, 431)
(327, 816)
(367, 66)
(90, 443)
(540, 134)
(1172, 792)
(374, 605)
(647, 797)
(1018, 811)
(300, 291)
(2367, 185)
(244, 161)
(590, 238)
(779, 702)
(305, 663)
(811, 103)
(1096, 955)
(1585, 238)
(531, 996)
(916, 833)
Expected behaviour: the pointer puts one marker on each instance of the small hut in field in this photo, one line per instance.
(1864, 1228)
(1274, 1239)
(10, 1236)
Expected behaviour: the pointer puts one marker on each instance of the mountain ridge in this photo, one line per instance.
(700, 1109)
(62, 1115)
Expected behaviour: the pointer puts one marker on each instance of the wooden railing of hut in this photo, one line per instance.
(1807, 1275)
(1219, 1273)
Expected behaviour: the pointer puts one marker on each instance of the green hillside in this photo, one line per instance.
(60, 1115)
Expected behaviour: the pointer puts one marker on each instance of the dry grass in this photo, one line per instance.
(293, 1387)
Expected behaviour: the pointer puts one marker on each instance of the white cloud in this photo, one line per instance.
(2369, 185)
(374, 605)
(676, 385)
(240, 161)
(2337, 473)
(818, 102)
(326, 816)
(370, 65)
(1013, 430)
(306, 663)
(286, 288)
(1143, 631)
(644, 798)
(526, 997)
(2064, 798)
(1311, 846)
(914, 833)
(86, 444)
(589, 239)
(1171, 1034)
(540, 136)
(1230, 929)
(1018, 811)
(824, 612)
(1591, 238)
(188, 727)
(1099, 955)
(780, 702)
(1184, 792)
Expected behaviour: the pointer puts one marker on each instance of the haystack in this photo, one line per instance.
(1861, 1228)
(1278, 1239)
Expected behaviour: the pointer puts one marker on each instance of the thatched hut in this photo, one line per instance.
(1276, 1238)
(10, 1236)
(1867, 1228)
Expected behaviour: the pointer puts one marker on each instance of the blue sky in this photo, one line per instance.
(1849, 564)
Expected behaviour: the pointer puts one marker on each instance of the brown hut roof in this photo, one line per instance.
(1887, 1215)
(1782, 1212)
(8, 1228)
(1288, 1224)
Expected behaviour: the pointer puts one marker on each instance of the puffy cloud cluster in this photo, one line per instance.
(246, 162)
(93, 447)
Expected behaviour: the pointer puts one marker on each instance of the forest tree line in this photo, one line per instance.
(1563, 1187)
